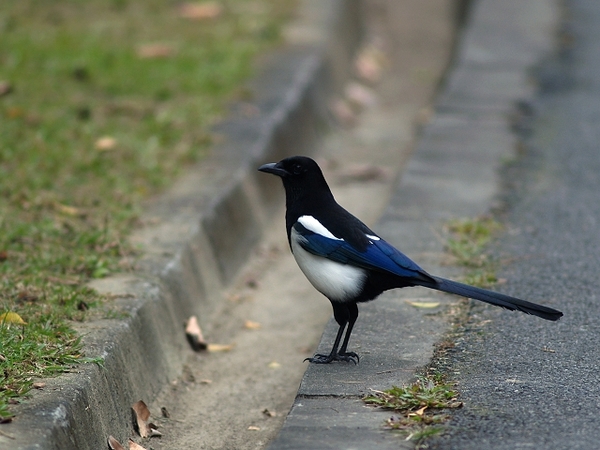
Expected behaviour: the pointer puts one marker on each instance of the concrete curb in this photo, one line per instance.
(205, 229)
(453, 173)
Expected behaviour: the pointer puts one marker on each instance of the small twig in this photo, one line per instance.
(6, 435)
(393, 370)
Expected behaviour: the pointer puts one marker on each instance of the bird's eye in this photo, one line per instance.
(297, 169)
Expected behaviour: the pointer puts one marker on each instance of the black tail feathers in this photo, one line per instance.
(493, 298)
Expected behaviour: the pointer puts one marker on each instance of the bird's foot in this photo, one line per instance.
(319, 358)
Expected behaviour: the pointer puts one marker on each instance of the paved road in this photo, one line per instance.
(527, 383)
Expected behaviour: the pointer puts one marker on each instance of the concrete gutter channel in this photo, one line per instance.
(205, 230)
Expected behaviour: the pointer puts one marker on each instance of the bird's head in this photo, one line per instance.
(301, 176)
(295, 167)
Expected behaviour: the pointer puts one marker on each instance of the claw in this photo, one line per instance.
(326, 359)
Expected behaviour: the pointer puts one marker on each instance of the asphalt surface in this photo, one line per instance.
(527, 383)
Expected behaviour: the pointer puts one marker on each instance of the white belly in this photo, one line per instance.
(338, 282)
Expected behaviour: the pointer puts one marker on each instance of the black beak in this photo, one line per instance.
(274, 168)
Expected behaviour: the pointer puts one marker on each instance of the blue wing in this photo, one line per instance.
(379, 255)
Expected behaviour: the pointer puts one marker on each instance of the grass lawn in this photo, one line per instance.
(102, 103)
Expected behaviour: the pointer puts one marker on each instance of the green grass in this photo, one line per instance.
(419, 406)
(467, 244)
(69, 196)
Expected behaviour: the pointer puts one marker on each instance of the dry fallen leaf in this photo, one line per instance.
(39, 385)
(219, 347)
(201, 11)
(253, 428)
(113, 444)
(423, 304)
(141, 414)
(105, 143)
(274, 365)
(193, 333)
(421, 411)
(267, 412)
(67, 210)
(151, 51)
(134, 446)
(11, 318)
(250, 325)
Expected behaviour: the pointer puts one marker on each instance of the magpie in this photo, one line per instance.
(349, 263)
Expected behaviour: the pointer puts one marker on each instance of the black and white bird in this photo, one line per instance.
(349, 263)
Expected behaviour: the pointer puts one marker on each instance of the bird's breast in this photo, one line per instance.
(338, 282)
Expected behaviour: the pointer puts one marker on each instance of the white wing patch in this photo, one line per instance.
(338, 282)
(312, 224)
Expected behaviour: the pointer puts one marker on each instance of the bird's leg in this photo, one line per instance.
(353, 315)
(343, 314)
(320, 358)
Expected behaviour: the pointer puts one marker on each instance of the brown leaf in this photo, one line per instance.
(274, 365)
(421, 411)
(250, 325)
(39, 385)
(105, 143)
(193, 333)
(269, 413)
(141, 414)
(3, 255)
(200, 11)
(113, 444)
(152, 51)
(68, 210)
(423, 304)
(220, 347)
(135, 446)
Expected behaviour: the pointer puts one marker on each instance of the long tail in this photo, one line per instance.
(494, 298)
